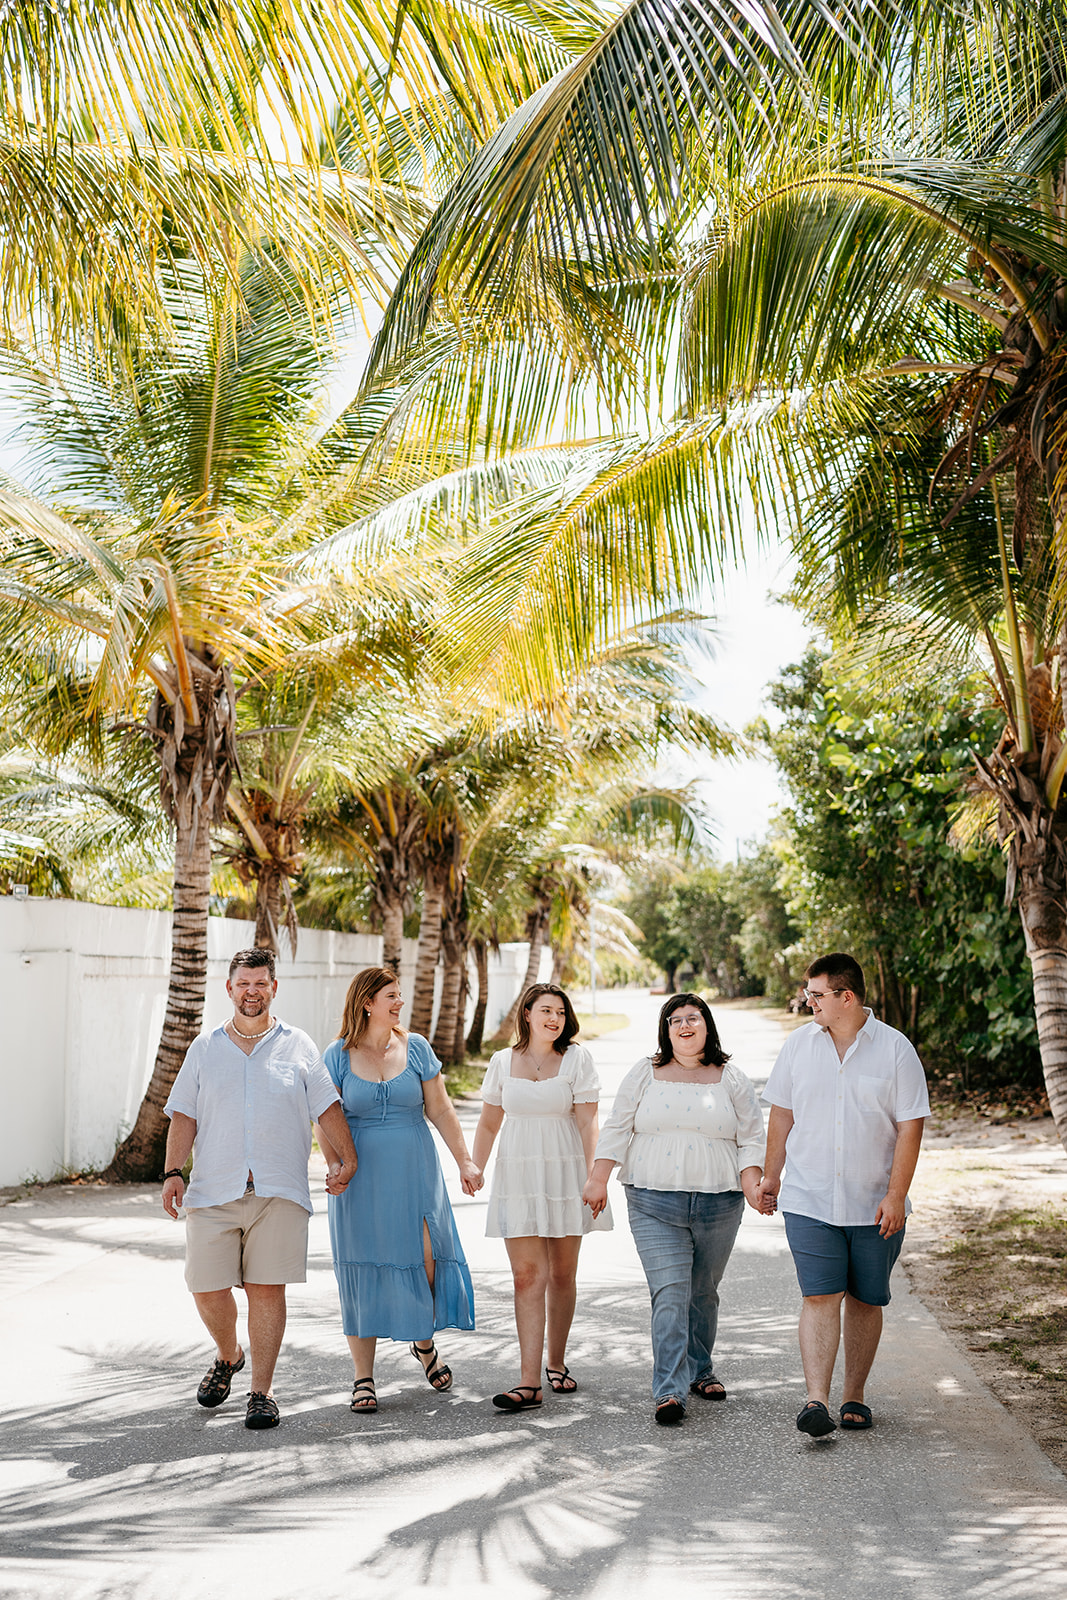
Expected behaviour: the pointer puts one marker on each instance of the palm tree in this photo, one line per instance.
(155, 565)
(872, 250)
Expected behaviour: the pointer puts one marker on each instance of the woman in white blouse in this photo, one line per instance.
(544, 1092)
(687, 1133)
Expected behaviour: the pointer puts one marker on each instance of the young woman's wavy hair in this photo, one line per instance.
(364, 986)
(714, 1054)
(530, 998)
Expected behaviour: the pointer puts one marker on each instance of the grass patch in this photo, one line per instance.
(604, 1022)
(465, 1078)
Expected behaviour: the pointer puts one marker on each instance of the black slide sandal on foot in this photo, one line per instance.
(815, 1420)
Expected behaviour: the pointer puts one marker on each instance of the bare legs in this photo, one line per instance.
(821, 1328)
(266, 1326)
(363, 1350)
(544, 1272)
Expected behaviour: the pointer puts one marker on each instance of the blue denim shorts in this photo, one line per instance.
(832, 1260)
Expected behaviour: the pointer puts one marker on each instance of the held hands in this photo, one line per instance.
(173, 1193)
(339, 1175)
(766, 1201)
(470, 1177)
(595, 1195)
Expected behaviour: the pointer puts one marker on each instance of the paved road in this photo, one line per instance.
(114, 1483)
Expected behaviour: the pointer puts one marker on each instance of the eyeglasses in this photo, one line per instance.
(684, 1022)
(823, 994)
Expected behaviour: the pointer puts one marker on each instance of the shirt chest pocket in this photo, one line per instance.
(874, 1094)
(281, 1080)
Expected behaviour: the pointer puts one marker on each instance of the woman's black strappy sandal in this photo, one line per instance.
(437, 1376)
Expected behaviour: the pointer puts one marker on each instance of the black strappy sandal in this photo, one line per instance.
(508, 1402)
(560, 1380)
(363, 1403)
(437, 1376)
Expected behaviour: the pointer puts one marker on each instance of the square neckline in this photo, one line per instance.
(513, 1079)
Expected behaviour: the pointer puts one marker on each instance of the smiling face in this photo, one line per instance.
(547, 1018)
(385, 1008)
(251, 989)
(688, 1032)
(828, 1006)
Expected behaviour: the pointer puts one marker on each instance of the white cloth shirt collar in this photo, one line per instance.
(846, 1115)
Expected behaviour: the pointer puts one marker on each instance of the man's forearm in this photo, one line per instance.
(905, 1157)
(180, 1137)
(334, 1125)
(779, 1122)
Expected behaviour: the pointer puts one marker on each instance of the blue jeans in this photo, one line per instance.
(684, 1241)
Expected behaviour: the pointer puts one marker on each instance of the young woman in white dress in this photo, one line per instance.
(543, 1092)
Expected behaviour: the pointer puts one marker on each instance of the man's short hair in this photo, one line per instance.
(841, 971)
(253, 958)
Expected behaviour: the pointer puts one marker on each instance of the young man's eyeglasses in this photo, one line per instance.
(823, 994)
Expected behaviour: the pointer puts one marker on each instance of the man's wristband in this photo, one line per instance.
(175, 1172)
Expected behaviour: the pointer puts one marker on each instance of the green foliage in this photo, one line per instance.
(870, 866)
(728, 922)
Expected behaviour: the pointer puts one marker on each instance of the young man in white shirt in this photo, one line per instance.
(847, 1099)
(247, 1094)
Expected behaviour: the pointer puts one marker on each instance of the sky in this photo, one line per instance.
(756, 637)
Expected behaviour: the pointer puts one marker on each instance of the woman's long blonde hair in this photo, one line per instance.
(364, 986)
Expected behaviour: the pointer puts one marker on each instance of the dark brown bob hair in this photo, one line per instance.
(714, 1054)
(522, 1025)
(364, 986)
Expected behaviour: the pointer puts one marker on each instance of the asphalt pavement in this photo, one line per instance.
(114, 1483)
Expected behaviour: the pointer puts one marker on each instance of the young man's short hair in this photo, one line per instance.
(253, 958)
(841, 971)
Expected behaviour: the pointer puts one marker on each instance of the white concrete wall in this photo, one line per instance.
(82, 996)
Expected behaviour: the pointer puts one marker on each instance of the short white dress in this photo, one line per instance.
(540, 1168)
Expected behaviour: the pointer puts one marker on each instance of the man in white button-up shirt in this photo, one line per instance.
(247, 1094)
(847, 1099)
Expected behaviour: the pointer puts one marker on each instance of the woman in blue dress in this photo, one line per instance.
(400, 1268)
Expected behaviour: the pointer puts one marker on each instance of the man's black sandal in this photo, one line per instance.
(215, 1387)
(815, 1420)
(262, 1411)
(854, 1414)
(364, 1398)
(437, 1376)
(529, 1398)
(670, 1410)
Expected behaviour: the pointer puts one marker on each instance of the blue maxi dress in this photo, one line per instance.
(376, 1225)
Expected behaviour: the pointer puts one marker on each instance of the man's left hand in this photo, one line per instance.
(890, 1216)
(338, 1176)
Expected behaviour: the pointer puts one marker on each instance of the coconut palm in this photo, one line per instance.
(154, 563)
(883, 258)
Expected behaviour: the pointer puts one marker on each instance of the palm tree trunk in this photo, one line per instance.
(481, 964)
(429, 948)
(537, 929)
(1037, 870)
(458, 1041)
(393, 934)
(268, 909)
(444, 1038)
(139, 1158)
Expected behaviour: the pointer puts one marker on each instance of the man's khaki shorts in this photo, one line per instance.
(252, 1239)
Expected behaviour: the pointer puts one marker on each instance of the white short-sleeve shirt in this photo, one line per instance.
(846, 1116)
(253, 1114)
